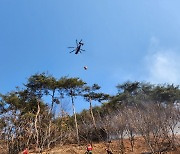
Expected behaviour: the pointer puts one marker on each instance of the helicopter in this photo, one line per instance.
(77, 49)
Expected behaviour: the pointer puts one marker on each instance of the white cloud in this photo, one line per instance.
(162, 64)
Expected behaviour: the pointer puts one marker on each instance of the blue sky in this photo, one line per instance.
(133, 40)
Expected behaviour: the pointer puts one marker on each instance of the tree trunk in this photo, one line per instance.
(36, 129)
(91, 112)
(75, 119)
(50, 122)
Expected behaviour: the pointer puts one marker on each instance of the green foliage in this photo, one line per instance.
(91, 94)
(19, 109)
(166, 93)
(71, 86)
(137, 93)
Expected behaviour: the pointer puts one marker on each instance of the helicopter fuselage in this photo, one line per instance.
(78, 49)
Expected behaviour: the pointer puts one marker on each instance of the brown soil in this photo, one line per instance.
(99, 148)
(3, 148)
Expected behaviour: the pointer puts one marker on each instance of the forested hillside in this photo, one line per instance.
(138, 109)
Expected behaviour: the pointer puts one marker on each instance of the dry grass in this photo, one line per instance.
(99, 148)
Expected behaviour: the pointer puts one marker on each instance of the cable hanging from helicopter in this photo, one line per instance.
(78, 49)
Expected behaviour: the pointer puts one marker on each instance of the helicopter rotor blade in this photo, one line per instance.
(71, 51)
(71, 47)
